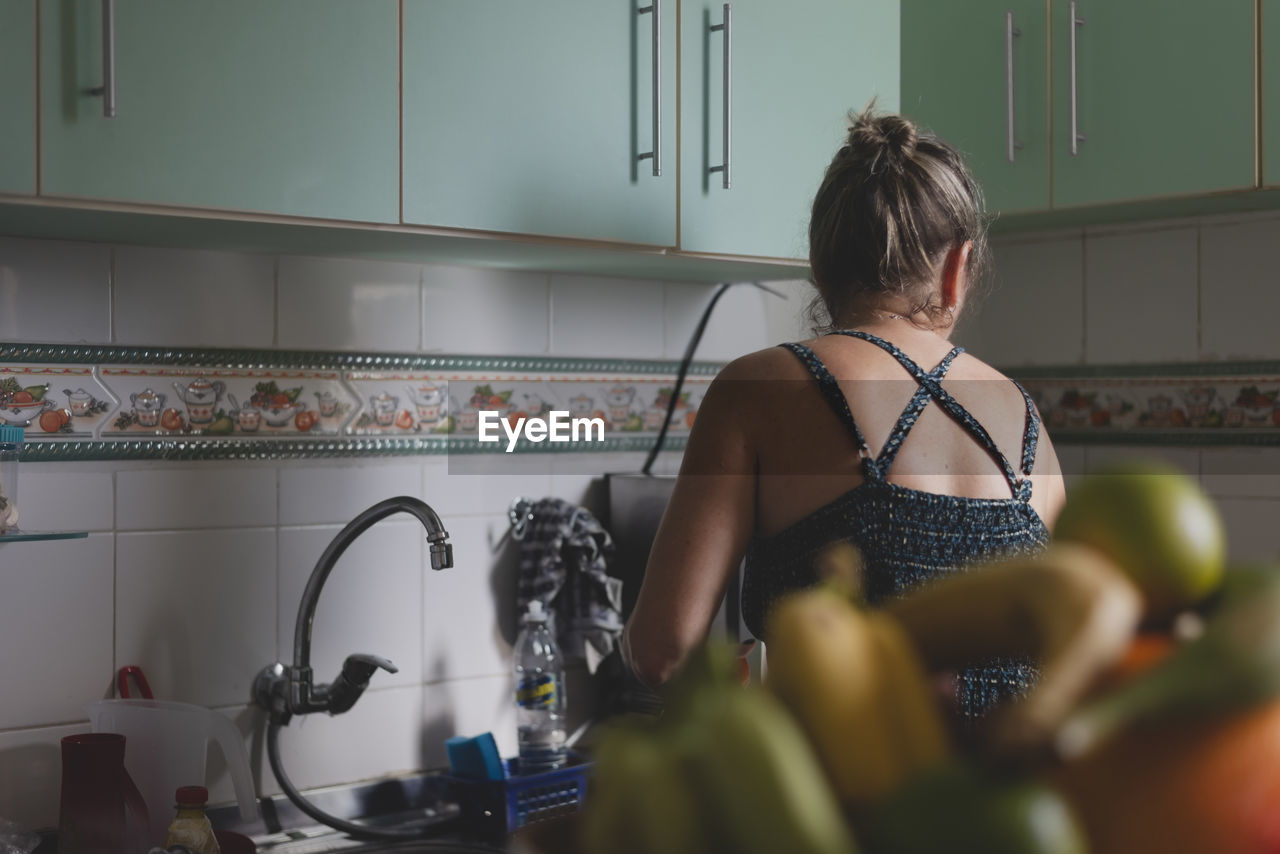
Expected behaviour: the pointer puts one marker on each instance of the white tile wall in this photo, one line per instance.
(210, 495)
(1238, 297)
(1034, 314)
(183, 298)
(740, 320)
(471, 310)
(54, 591)
(330, 304)
(1141, 296)
(591, 316)
(54, 292)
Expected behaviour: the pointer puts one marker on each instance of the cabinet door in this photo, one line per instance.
(1271, 92)
(961, 64)
(18, 96)
(1164, 96)
(287, 107)
(796, 70)
(530, 118)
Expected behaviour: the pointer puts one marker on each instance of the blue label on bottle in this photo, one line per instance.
(536, 692)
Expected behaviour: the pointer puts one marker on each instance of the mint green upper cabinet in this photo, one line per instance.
(960, 64)
(797, 69)
(1164, 99)
(285, 107)
(18, 96)
(1271, 92)
(529, 118)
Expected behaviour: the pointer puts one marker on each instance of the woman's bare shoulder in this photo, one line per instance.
(771, 363)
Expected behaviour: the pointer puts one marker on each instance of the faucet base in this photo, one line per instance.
(271, 692)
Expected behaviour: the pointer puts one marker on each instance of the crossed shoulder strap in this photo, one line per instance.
(930, 389)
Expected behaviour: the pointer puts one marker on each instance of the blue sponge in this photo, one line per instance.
(475, 758)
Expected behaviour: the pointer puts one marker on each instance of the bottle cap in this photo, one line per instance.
(536, 613)
(191, 796)
(10, 434)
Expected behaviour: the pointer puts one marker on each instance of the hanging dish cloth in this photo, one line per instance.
(563, 563)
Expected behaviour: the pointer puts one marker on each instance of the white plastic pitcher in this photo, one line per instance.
(165, 746)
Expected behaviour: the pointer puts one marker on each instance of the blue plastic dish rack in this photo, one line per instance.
(503, 806)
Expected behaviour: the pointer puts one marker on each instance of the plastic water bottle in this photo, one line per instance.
(540, 699)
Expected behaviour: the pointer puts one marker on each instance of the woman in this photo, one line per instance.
(881, 432)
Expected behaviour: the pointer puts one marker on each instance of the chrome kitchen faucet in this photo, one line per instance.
(288, 691)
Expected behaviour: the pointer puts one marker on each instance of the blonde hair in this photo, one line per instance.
(893, 201)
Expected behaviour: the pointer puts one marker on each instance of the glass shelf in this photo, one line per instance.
(30, 536)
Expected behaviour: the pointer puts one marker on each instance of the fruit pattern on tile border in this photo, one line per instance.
(158, 402)
(1187, 404)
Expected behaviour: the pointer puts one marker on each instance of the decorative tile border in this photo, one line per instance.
(226, 404)
(115, 403)
(1230, 404)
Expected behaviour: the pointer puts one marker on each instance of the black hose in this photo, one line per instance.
(358, 831)
(680, 375)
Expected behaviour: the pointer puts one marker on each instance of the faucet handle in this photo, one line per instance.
(352, 681)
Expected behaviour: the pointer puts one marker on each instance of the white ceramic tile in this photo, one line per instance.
(66, 496)
(1239, 300)
(56, 613)
(788, 319)
(487, 312)
(214, 495)
(581, 478)
(197, 611)
(1252, 532)
(469, 611)
(606, 318)
(1241, 472)
(1099, 458)
(371, 602)
(739, 323)
(380, 736)
(1034, 314)
(341, 304)
(31, 774)
(314, 493)
(55, 291)
(1141, 293)
(468, 707)
(470, 484)
(190, 298)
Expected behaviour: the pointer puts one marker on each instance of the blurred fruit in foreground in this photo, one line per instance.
(1206, 787)
(856, 685)
(961, 809)
(1069, 609)
(1157, 525)
(1233, 665)
(726, 769)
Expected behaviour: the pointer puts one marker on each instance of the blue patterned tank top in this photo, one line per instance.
(906, 536)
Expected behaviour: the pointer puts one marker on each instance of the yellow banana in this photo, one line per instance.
(852, 681)
(756, 774)
(641, 800)
(1069, 608)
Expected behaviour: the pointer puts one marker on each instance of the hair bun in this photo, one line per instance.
(888, 139)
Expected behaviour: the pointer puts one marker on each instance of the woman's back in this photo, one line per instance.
(807, 457)
(920, 501)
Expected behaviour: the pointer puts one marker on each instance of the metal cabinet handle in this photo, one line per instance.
(109, 59)
(1076, 136)
(728, 85)
(1009, 32)
(653, 9)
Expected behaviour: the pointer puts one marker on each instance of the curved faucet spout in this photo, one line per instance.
(302, 696)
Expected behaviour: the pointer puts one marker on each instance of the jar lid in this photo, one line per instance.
(9, 433)
(191, 796)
